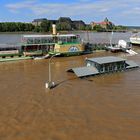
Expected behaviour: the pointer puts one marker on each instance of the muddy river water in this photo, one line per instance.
(104, 107)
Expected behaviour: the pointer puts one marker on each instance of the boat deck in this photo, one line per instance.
(14, 59)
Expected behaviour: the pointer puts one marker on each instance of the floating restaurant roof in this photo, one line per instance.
(105, 60)
(45, 36)
(92, 70)
(84, 71)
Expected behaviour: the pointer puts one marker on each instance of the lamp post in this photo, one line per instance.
(50, 84)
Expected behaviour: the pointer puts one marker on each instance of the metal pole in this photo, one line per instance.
(50, 84)
(88, 37)
(111, 38)
(49, 71)
(50, 68)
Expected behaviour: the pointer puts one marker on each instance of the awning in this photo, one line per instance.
(84, 71)
(131, 64)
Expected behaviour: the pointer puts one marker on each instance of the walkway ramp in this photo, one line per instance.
(131, 52)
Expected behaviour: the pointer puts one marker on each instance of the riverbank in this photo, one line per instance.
(64, 32)
(91, 37)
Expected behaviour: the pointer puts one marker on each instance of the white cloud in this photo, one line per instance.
(82, 8)
(133, 11)
(15, 7)
(77, 8)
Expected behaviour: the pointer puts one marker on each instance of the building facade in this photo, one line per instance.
(106, 24)
(37, 22)
(76, 24)
(107, 64)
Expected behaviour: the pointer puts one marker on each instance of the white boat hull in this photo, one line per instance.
(135, 40)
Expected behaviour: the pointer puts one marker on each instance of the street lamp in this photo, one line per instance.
(50, 84)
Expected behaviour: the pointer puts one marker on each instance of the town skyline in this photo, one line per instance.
(121, 13)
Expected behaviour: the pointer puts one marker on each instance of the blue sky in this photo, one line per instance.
(120, 12)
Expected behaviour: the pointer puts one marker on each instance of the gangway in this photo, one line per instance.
(131, 52)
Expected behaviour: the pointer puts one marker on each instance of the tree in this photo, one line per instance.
(88, 27)
(64, 26)
(120, 27)
(98, 28)
(1, 27)
(45, 26)
(110, 26)
(15, 27)
(37, 29)
(29, 27)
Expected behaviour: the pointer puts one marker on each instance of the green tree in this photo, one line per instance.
(37, 29)
(45, 26)
(65, 26)
(15, 26)
(98, 28)
(120, 27)
(29, 27)
(88, 27)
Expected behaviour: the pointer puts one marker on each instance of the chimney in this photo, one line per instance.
(54, 29)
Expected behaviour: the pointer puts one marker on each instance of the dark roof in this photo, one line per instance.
(39, 20)
(65, 19)
(84, 71)
(79, 22)
(131, 64)
(52, 21)
(107, 59)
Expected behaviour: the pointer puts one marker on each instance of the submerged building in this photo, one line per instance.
(100, 65)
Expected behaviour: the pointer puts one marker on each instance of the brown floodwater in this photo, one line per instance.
(104, 107)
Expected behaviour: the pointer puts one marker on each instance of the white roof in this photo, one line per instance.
(45, 36)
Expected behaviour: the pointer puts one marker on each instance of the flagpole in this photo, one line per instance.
(111, 38)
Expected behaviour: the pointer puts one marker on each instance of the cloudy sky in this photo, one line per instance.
(120, 12)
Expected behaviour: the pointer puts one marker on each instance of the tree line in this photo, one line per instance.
(46, 26)
(16, 27)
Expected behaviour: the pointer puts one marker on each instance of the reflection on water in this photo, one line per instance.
(103, 107)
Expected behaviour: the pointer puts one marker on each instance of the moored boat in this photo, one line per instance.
(135, 39)
(11, 53)
(40, 46)
(65, 44)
